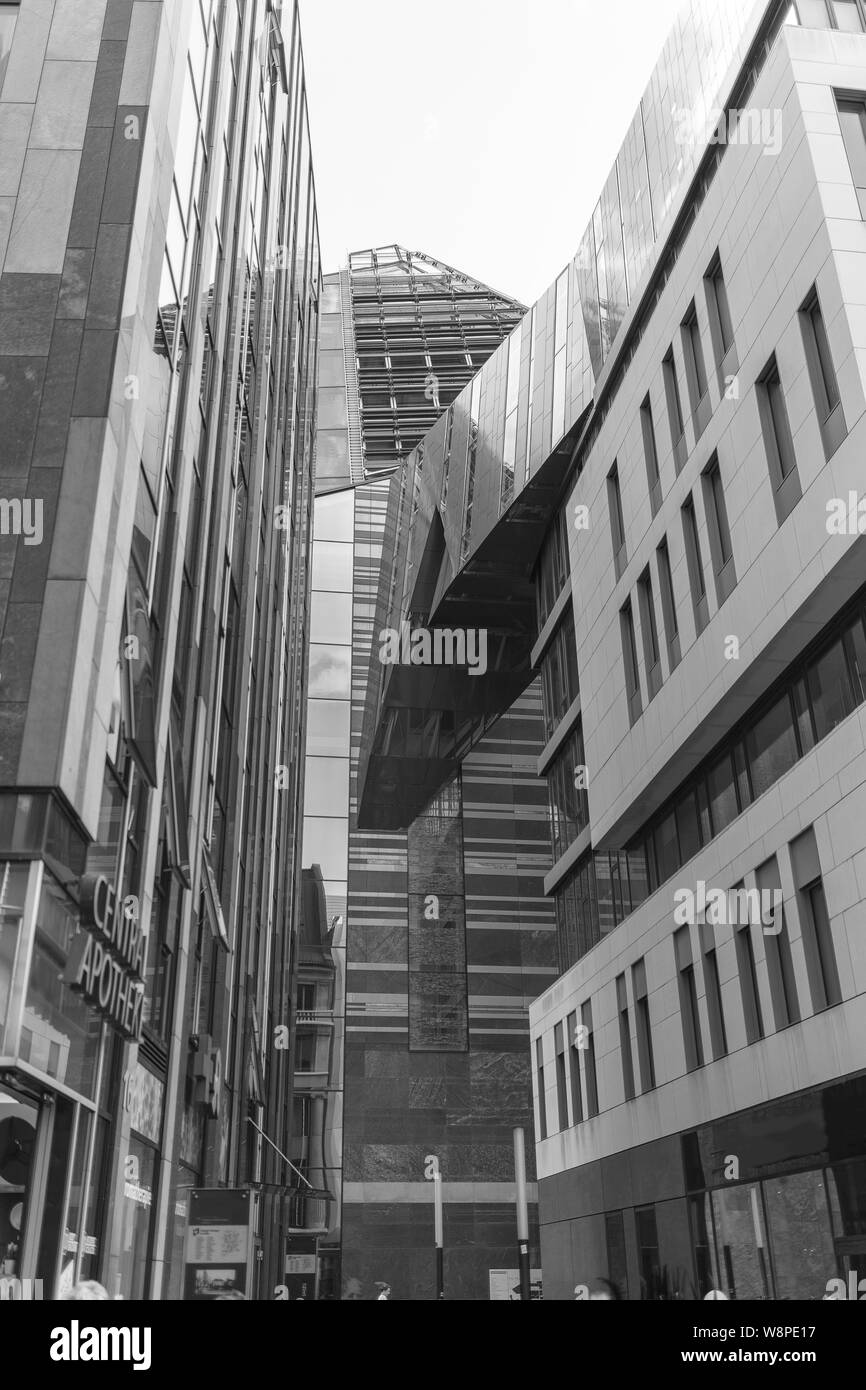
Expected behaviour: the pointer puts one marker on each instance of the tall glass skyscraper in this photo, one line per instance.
(159, 303)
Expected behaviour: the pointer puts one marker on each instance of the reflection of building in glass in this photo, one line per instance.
(314, 1215)
(436, 1035)
(637, 508)
(161, 403)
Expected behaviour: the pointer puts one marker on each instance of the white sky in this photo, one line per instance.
(479, 131)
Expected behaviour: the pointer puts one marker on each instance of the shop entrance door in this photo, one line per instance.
(35, 1138)
(19, 1130)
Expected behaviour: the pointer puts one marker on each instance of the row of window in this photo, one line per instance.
(847, 15)
(815, 695)
(822, 972)
(787, 492)
(724, 572)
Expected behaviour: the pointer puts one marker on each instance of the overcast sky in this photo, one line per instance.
(480, 131)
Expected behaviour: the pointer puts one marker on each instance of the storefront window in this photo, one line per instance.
(742, 1242)
(59, 1031)
(184, 1182)
(13, 887)
(18, 1120)
(74, 1206)
(59, 1123)
(138, 1210)
(847, 1188)
(801, 1239)
(89, 1263)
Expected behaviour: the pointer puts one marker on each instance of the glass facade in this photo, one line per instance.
(174, 728)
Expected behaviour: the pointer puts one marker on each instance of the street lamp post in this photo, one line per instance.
(440, 1244)
(522, 1215)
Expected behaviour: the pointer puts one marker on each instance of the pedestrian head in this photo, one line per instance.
(604, 1290)
(85, 1289)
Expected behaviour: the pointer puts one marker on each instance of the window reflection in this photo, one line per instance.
(326, 788)
(799, 1222)
(330, 672)
(326, 842)
(334, 517)
(332, 566)
(331, 618)
(328, 723)
(742, 1241)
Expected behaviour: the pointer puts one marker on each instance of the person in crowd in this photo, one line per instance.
(604, 1290)
(84, 1289)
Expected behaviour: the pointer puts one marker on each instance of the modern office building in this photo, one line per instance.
(651, 496)
(435, 1035)
(158, 332)
(410, 335)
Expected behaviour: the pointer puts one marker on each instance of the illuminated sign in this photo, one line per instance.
(106, 962)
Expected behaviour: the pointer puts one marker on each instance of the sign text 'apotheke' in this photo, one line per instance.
(107, 958)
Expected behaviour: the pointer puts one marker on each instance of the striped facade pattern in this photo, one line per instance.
(402, 1105)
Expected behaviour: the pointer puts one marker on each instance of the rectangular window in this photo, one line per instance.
(589, 1061)
(561, 1079)
(748, 980)
(780, 965)
(559, 679)
(721, 323)
(471, 460)
(688, 1000)
(779, 445)
(527, 462)
(822, 374)
(509, 453)
(617, 522)
(646, 1065)
(831, 690)
(675, 409)
(560, 357)
(771, 746)
(625, 1038)
(847, 16)
(669, 607)
(813, 14)
(651, 455)
(852, 121)
(827, 394)
(695, 565)
(649, 1261)
(629, 656)
(696, 372)
(542, 1103)
(649, 631)
(715, 1010)
(821, 967)
(721, 549)
(8, 18)
(574, 1049)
